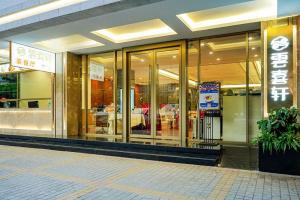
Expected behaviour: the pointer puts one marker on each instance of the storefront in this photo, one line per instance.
(150, 94)
(26, 91)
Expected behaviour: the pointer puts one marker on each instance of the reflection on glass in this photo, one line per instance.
(119, 93)
(254, 84)
(101, 108)
(140, 93)
(224, 60)
(168, 93)
(193, 96)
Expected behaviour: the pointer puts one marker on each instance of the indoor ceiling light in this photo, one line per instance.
(68, 43)
(231, 45)
(38, 10)
(136, 31)
(240, 86)
(174, 76)
(248, 12)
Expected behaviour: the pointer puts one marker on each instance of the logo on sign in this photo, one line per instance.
(280, 43)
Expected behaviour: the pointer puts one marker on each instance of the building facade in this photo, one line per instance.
(164, 72)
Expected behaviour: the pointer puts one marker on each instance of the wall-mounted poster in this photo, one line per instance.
(209, 96)
(96, 71)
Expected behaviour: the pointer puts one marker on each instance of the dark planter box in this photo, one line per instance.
(279, 162)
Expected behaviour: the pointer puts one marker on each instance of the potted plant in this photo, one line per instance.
(279, 142)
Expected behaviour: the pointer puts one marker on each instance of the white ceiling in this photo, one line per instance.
(165, 10)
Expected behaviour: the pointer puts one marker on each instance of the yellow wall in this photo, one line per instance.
(33, 85)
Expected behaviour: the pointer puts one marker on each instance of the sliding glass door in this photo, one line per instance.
(154, 94)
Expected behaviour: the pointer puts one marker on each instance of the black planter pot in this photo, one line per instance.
(279, 162)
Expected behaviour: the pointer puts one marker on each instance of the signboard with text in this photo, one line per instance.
(209, 96)
(280, 67)
(96, 71)
(31, 58)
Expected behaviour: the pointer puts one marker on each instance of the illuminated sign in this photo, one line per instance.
(31, 58)
(209, 96)
(280, 67)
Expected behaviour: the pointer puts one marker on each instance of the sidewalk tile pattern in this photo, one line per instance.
(27, 173)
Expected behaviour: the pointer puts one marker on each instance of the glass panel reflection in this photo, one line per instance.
(140, 93)
(101, 108)
(168, 93)
(224, 60)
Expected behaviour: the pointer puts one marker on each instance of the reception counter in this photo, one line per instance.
(31, 121)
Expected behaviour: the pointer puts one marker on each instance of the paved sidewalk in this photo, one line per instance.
(44, 174)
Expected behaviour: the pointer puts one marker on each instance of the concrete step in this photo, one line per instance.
(148, 152)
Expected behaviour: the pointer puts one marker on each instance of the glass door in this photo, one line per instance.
(140, 75)
(167, 93)
(154, 94)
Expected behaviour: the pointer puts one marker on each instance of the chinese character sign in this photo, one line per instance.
(96, 71)
(280, 67)
(31, 58)
(209, 93)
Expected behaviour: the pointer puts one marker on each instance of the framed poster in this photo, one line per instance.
(209, 96)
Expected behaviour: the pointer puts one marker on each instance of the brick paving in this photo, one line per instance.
(27, 173)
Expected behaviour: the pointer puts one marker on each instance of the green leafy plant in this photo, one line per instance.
(279, 131)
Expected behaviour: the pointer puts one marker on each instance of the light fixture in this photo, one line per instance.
(240, 86)
(174, 76)
(250, 38)
(247, 12)
(202, 44)
(142, 60)
(211, 53)
(255, 55)
(253, 48)
(137, 31)
(38, 10)
(68, 43)
(218, 59)
(174, 56)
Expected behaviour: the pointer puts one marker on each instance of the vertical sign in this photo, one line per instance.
(280, 67)
(209, 96)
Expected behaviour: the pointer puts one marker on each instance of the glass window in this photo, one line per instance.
(140, 92)
(193, 96)
(224, 60)
(168, 77)
(101, 107)
(255, 108)
(119, 93)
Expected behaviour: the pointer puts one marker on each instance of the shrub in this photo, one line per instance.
(279, 131)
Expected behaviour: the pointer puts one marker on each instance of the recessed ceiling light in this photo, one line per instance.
(68, 43)
(250, 38)
(255, 55)
(174, 56)
(136, 31)
(38, 10)
(202, 44)
(247, 12)
(142, 60)
(218, 59)
(211, 53)
(253, 48)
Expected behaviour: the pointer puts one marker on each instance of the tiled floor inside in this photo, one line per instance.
(27, 173)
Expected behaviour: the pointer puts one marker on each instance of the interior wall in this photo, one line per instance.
(36, 85)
